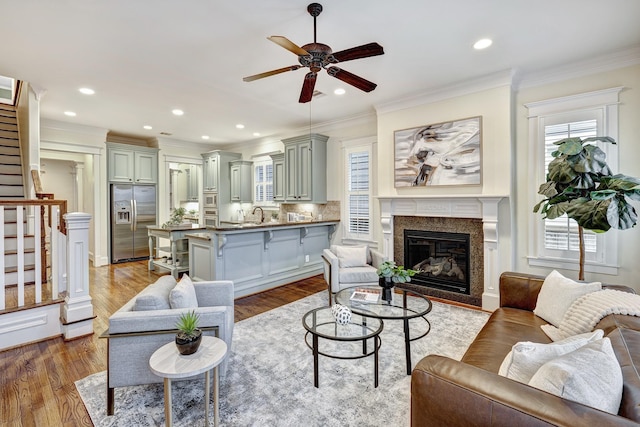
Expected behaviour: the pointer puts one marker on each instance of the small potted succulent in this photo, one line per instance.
(390, 273)
(189, 336)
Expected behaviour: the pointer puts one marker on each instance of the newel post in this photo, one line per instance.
(77, 312)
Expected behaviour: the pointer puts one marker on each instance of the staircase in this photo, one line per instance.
(40, 297)
(12, 188)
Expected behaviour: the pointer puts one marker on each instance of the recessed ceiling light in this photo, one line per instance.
(482, 44)
(339, 91)
(147, 127)
(69, 113)
(177, 112)
(256, 134)
(240, 126)
(87, 91)
(205, 136)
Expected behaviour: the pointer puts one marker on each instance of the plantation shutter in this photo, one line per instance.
(263, 182)
(562, 233)
(358, 190)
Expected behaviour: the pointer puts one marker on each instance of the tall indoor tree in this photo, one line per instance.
(580, 184)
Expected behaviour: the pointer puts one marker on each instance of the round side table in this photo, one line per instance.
(168, 363)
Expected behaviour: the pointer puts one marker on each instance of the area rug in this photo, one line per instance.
(269, 381)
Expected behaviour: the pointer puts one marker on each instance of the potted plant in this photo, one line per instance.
(176, 218)
(580, 184)
(189, 336)
(390, 273)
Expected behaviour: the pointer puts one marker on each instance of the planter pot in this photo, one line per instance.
(188, 344)
(387, 288)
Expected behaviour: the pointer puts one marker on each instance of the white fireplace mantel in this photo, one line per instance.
(484, 207)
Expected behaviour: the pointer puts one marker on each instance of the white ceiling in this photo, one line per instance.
(146, 57)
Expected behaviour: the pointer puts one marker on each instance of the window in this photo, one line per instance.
(7, 90)
(263, 182)
(358, 192)
(562, 233)
(554, 243)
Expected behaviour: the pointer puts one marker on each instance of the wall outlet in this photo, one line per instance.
(306, 258)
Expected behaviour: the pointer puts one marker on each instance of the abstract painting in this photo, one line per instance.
(447, 153)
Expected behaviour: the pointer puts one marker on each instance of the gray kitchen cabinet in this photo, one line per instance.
(241, 183)
(132, 164)
(305, 168)
(211, 171)
(215, 171)
(278, 177)
(188, 188)
(217, 186)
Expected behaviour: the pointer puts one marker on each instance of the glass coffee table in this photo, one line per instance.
(404, 306)
(320, 323)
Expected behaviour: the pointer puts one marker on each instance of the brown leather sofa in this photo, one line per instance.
(446, 392)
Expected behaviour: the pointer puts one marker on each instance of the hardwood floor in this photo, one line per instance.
(37, 380)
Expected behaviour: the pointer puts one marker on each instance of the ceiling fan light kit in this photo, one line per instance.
(317, 56)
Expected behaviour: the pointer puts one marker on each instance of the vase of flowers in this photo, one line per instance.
(389, 274)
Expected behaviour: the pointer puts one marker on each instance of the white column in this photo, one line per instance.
(77, 312)
(386, 221)
(78, 174)
(491, 293)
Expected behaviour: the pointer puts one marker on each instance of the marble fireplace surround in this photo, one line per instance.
(482, 207)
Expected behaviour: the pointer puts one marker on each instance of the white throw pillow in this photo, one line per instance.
(352, 256)
(590, 375)
(525, 358)
(557, 294)
(184, 294)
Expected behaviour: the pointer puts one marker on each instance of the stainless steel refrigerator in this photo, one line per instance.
(133, 208)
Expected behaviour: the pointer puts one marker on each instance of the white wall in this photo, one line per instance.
(629, 154)
(494, 105)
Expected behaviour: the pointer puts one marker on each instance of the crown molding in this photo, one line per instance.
(73, 127)
(611, 61)
(489, 81)
(177, 143)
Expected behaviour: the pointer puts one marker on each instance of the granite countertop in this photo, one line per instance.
(184, 226)
(236, 226)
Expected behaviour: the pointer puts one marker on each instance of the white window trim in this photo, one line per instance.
(606, 103)
(357, 145)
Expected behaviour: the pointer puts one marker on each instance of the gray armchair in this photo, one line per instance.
(344, 267)
(134, 335)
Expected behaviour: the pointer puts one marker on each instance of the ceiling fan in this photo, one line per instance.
(317, 56)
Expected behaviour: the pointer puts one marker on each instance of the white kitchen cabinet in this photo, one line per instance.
(305, 168)
(241, 183)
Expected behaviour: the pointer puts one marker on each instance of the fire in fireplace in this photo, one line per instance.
(441, 259)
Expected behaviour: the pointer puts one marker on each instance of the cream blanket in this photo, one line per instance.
(585, 312)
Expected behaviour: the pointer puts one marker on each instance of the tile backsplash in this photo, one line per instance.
(328, 211)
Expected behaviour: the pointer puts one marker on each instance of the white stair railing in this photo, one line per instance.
(21, 251)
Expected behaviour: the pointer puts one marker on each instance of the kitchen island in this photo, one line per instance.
(259, 256)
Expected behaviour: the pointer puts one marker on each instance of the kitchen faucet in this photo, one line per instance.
(261, 213)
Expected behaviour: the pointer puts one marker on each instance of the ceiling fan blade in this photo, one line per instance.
(271, 73)
(289, 45)
(307, 87)
(351, 78)
(364, 51)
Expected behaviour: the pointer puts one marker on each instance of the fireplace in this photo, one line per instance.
(441, 259)
(476, 215)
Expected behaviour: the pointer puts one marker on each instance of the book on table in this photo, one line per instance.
(365, 295)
